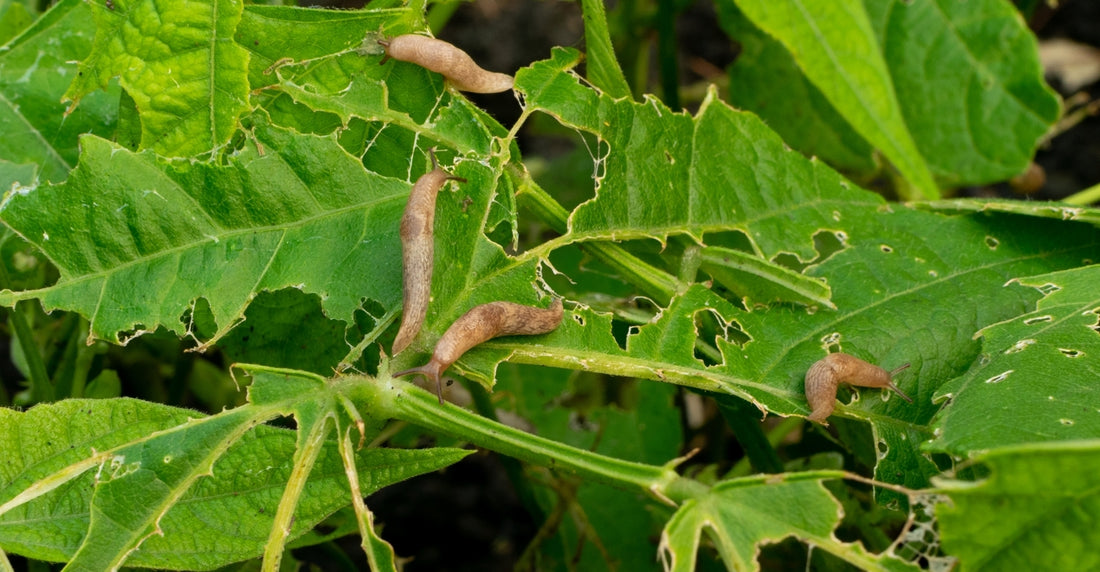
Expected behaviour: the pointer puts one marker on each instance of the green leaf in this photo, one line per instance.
(836, 48)
(903, 281)
(14, 18)
(739, 515)
(766, 80)
(762, 282)
(179, 63)
(35, 68)
(1037, 510)
(978, 113)
(603, 69)
(1036, 375)
(976, 116)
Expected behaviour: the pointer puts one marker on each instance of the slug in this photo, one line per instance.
(483, 323)
(823, 377)
(447, 59)
(418, 252)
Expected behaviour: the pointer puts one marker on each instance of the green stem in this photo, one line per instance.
(512, 468)
(666, 53)
(744, 419)
(1085, 197)
(414, 405)
(41, 388)
(656, 283)
(775, 437)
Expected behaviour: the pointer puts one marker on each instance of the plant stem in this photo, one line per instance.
(417, 406)
(666, 53)
(1085, 197)
(744, 419)
(41, 388)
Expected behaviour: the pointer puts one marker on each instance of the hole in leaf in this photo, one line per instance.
(1071, 353)
(199, 320)
(1019, 346)
(708, 328)
(272, 333)
(1037, 320)
(886, 248)
(992, 242)
(562, 161)
(620, 330)
(1049, 288)
(1000, 377)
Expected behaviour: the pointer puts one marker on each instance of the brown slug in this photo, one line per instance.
(418, 252)
(447, 59)
(823, 377)
(483, 323)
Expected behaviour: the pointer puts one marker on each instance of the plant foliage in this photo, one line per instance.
(234, 176)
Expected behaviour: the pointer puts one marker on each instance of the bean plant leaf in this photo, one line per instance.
(35, 69)
(95, 477)
(766, 80)
(740, 515)
(1036, 376)
(1037, 509)
(300, 213)
(179, 63)
(836, 48)
(976, 116)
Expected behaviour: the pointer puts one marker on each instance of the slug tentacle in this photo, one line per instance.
(447, 59)
(418, 252)
(825, 375)
(483, 323)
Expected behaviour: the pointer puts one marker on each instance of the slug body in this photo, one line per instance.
(482, 323)
(418, 252)
(824, 376)
(445, 58)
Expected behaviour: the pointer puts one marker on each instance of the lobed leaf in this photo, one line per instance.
(206, 485)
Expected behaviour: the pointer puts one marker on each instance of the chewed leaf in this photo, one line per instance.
(1009, 396)
(739, 516)
(137, 239)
